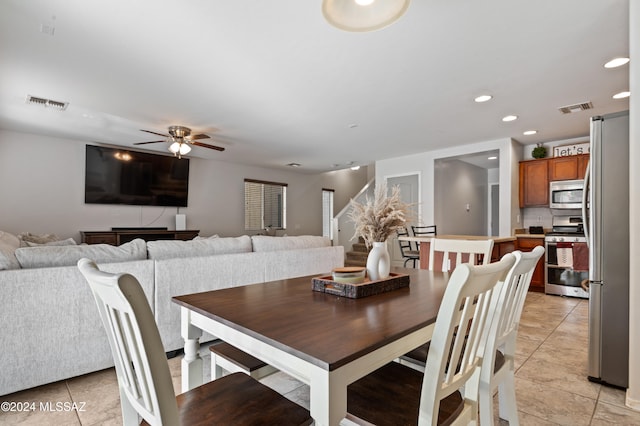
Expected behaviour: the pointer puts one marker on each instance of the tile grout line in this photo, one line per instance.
(545, 339)
(66, 385)
(564, 318)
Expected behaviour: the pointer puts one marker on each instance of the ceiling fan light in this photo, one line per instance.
(184, 149)
(361, 16)
(174, 147)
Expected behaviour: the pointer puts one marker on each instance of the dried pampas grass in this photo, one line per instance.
(377, 220)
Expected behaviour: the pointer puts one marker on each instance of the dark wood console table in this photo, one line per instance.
(124, 236)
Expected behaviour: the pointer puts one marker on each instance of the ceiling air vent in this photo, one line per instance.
(576, 107)
(48, 103)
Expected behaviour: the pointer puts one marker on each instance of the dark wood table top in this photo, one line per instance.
(328, 331)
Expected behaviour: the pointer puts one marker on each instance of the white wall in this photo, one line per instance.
(42, 191)
(457, 185)
(423, 163)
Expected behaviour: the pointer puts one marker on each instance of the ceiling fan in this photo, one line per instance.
(180, 138)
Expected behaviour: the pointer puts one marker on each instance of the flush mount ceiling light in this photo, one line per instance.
(621, 95)
(483, 98)
(616, 62)
(510, 118)
(363, 15)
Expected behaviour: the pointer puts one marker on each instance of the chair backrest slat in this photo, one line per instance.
(514, 294)
(141, 365)
(461, 327)
(472, 248)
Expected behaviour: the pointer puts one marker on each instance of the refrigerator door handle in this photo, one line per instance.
(585, 201)
(594, 230)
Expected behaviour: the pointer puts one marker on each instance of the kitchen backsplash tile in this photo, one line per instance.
(537, 216)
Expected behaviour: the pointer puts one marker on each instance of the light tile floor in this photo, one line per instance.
(551, 379)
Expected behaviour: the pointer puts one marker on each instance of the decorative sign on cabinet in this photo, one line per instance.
(570, 150)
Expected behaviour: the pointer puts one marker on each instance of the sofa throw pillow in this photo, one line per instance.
(170, 249)
(67, 242)
(8, 245)
(36, 238)
(49, 256)
(266, 243)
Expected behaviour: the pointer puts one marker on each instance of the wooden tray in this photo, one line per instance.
(325, 284)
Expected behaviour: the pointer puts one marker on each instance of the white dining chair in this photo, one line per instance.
(144, 380)
(396, 394)
(498, 369)
(450, 247)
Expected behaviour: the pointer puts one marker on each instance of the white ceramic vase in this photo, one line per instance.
(378, 262)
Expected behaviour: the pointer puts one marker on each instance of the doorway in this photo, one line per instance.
(409, 193)
(494, 209)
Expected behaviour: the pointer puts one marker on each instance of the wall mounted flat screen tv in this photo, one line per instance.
(118, 176)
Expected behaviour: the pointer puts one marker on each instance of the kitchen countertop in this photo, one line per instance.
(529, 235)
(496, 240)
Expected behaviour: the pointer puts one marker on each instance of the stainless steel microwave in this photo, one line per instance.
(566, 194)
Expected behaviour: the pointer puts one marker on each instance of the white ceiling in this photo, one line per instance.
(274, 83)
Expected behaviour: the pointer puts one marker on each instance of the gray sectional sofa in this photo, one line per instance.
(50, 324)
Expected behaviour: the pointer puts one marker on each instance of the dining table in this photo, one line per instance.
(324, 340)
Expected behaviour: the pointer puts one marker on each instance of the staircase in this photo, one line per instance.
(358, 254)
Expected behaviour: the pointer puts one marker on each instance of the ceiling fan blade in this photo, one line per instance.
(155, 133)
(144, 143)
(204, 145)
(200, 136)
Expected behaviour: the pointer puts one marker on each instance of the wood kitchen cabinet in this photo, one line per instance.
(583, 163)
(568, 168)
(526, 245)
(535, 176)
(534, 183)
(502, 248)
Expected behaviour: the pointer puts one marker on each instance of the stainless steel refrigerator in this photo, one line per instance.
(606, 221)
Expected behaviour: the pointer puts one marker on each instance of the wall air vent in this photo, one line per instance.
(47, 103)
(576, 107)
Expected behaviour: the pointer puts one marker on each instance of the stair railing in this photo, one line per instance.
(343, 227)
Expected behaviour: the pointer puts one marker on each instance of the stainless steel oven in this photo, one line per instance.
(566, 266)
(566, 194)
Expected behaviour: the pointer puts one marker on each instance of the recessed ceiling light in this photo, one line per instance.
(530, 132)
(621, 95)
(617, 62)
(293, 165)
(492, 158)
(483, 98)
(510, 118)
(355, 167)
